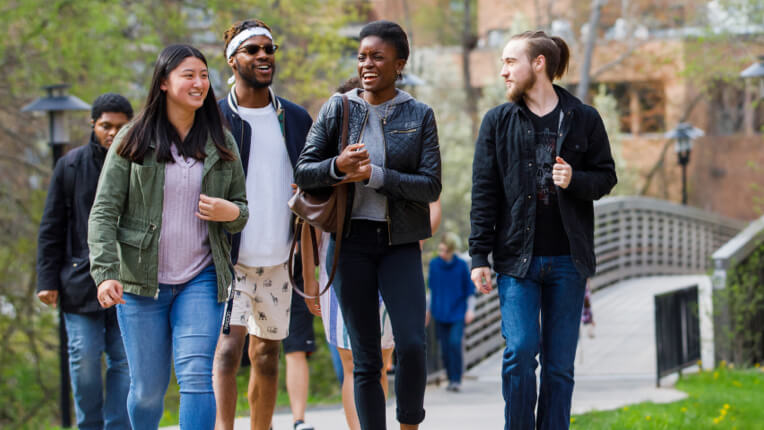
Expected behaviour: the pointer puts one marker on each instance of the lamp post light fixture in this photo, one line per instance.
(684, 134)
(755, 71)
(56, 104)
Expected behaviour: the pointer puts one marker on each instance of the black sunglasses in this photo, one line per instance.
(253, 49)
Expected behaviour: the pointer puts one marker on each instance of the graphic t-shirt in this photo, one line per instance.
(550, 237)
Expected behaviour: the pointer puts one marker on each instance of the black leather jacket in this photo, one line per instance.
(412, 162)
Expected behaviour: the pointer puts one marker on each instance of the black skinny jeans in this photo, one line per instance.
(368, 266)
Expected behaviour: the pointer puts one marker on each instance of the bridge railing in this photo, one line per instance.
(633, 237)
(641, 236)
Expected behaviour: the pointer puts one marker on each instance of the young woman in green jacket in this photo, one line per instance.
(171, 187)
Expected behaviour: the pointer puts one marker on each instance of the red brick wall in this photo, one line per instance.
(721, 175)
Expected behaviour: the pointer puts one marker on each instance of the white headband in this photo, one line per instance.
(244, 35)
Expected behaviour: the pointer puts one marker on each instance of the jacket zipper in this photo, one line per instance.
(153, 227)
(387, 203)
(411, 130)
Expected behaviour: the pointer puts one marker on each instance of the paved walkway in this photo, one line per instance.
(614, 368)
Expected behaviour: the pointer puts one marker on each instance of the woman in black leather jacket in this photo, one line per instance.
(392, 162)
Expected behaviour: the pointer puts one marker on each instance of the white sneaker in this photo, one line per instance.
(301, 425)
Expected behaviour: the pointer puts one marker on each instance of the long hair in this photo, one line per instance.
(152, 124)
(553, 48)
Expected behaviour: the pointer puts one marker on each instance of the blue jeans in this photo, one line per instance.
(450, 336)
(336, 362)
(553, 287)
(183, 324)
(89, 337)
(368, 267)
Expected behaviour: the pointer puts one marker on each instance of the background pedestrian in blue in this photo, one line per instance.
(450, 292)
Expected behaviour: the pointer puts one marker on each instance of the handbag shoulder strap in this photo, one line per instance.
(342, 195)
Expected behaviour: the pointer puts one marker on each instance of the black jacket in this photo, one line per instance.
(62, 248)
(504, 182)
(295, 123)
(412, 162)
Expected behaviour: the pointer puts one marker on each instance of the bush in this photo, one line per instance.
(743, 302)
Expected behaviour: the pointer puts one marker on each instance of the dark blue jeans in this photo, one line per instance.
(368, 266)
(182, 325)
(450, 336)
(554, 288)
(89, 337)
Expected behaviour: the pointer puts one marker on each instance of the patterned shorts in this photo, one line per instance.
(262, 300)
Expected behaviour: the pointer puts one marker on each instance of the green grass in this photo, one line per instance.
(324, 387)
(720, 399)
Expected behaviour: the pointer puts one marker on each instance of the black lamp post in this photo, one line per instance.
(756, 71)
(684, 134)
(56, 104)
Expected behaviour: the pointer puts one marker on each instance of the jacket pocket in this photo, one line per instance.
(574, 150)
(403, 148)
(77, 285)
(132, 245)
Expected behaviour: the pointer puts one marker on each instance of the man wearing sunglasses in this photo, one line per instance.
(270, 132)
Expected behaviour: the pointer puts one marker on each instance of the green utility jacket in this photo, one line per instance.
(125, 223)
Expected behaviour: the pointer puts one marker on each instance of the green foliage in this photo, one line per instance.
(758, 197)
(743, 302)
(718, 399)
(457, 146)
(441, 22)
(607, 106)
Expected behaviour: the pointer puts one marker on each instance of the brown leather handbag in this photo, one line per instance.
(323, 211)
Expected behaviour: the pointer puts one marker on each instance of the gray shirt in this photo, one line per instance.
(368, 203)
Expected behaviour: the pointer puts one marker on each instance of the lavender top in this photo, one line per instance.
(184, 244)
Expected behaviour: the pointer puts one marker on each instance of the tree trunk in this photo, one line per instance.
(582, 92)
(468, 44)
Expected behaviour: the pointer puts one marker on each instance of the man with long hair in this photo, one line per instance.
(270, 132)
(540, 162)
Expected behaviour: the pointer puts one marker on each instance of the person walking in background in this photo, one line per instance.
(63, 274)
(540, 161)
(393, 168)
(587, 316)
(299, 345)
(172, 186)
(451, 306)
(270, 133)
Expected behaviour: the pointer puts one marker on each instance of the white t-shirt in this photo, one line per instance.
(265, 240)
